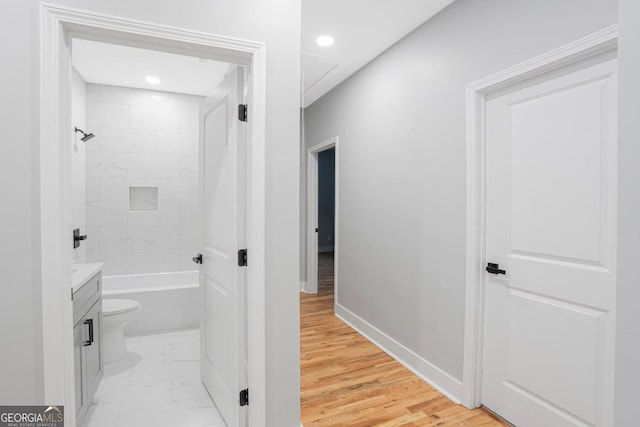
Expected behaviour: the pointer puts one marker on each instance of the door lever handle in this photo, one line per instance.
(197, 259)
(494, 268)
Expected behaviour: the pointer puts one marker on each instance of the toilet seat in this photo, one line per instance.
(111, 307)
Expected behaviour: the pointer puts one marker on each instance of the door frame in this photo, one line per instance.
(477, 93)
(58, 25)
(311, 285)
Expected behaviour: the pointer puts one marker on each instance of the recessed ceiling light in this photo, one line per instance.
(325, 41)
(156, 97)
(153, 80)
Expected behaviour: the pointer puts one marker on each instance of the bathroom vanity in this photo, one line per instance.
(86, 291)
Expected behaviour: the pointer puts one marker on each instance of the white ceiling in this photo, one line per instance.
(127, 66)
(362, 30)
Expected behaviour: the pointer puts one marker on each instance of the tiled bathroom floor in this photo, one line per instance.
(157, 384)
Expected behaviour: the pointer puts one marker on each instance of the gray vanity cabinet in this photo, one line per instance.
(87, 343)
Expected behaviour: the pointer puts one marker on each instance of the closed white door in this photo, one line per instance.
(222, 280)
(551, 226)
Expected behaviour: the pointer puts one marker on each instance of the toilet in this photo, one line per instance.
(116, 314)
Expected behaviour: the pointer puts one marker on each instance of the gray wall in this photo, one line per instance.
(277, 24)
(628, 289)
(21, 369)
(326, 198)
(401, 124)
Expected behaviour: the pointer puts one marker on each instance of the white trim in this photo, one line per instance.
(477, 92)
(434, 376)
(57, 26)
(312, 222)
(303, 286)
(311, 285)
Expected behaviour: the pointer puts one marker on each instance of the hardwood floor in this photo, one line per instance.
(347, 381)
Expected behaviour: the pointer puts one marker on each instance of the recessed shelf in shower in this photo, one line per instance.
(143, 198)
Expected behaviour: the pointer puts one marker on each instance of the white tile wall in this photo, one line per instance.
(115, 261)
(78, 163)
(105, 114)
(160, 117)
(107, 214)
(141, 142)
(106, 164)
(156, 260)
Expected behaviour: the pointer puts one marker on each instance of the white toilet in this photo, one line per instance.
(116, 313)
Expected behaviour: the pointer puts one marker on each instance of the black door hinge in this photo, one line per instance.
(244, 397)
(242, 258)
(242, 112)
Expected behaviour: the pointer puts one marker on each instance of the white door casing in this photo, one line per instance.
(58, 25)
(478, 93)
(223, 230)
(311, 286)
(551, 224)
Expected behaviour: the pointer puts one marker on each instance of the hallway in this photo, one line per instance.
(347, 381)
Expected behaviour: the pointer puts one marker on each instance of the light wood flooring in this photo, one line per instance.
(347, 381)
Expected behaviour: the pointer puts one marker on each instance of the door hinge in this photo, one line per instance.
(242, 112)
(244, 397)
(242, 258)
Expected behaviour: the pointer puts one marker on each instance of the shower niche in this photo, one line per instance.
(143, 198)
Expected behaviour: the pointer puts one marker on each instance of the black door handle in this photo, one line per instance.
(494, 269)
(90, 340)
(197, 259)
(77, 238)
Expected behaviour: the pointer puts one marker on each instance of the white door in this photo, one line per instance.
(551, 225)
(222, 280)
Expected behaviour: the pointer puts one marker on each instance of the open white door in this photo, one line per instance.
(222, 226)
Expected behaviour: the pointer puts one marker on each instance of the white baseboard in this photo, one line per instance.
(303, 286)
(434, 376)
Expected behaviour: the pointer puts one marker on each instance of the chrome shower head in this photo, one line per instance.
(85, 136)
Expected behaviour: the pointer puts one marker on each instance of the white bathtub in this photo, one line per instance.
(170, 301)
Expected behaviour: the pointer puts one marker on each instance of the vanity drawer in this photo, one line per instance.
(86, 296)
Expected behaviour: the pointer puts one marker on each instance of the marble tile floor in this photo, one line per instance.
(157, 384)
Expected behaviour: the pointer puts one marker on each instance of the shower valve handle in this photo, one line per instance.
(77, 238)
(197, 259)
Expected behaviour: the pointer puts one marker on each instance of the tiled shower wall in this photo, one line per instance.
(143, 139)
(78, 162)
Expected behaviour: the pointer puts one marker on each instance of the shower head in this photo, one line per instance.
(85, 136)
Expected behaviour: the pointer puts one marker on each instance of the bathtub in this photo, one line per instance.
(170, 301)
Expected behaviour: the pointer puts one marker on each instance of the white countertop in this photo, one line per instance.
(81, 273)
